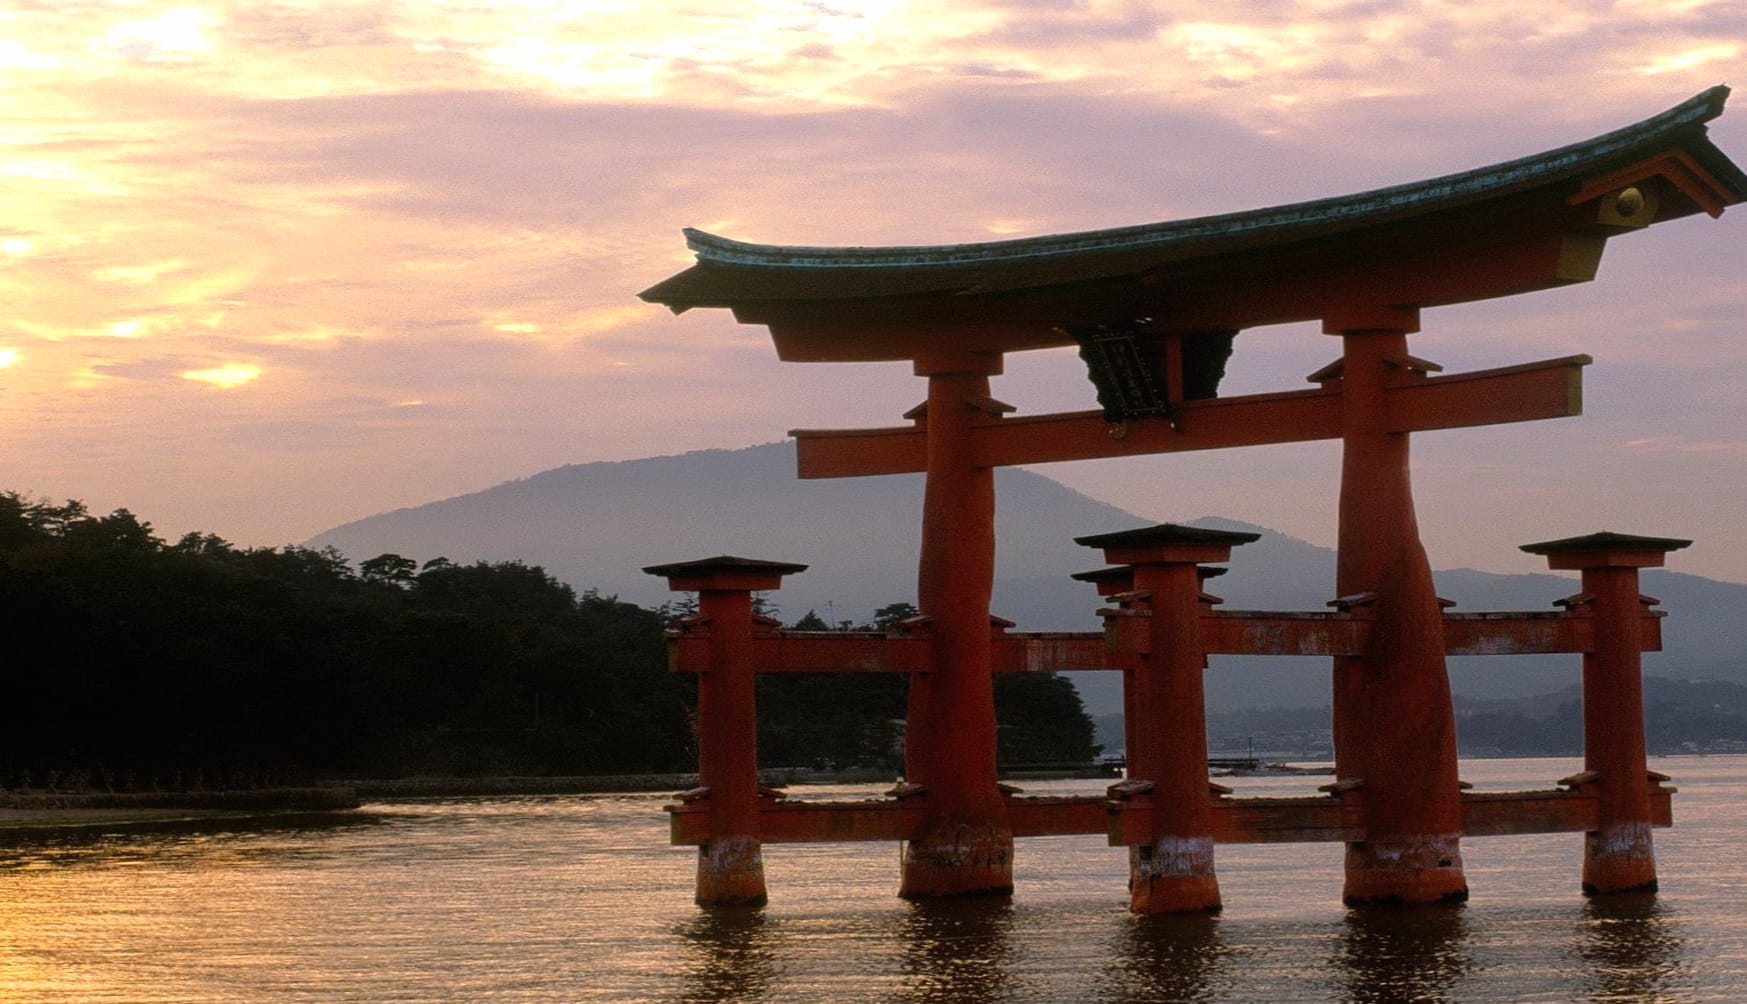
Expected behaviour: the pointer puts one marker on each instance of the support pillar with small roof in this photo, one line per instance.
(1171, 868)
(731, 861)
(1617, 853)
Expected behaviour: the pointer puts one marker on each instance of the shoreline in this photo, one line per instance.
(31, 811)
(23, 811)
(611, 784)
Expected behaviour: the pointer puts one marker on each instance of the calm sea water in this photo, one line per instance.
(580, 899)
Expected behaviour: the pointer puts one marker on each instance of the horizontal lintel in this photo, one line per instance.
(1222, 632)
(1527, 392)
(1053, 652)
(786, 822)
(1305, 819)
(1551, 388)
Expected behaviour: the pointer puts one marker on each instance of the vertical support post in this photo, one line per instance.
(966, 844)
(1117, 584)
(1172, 870)
(1394, 725)
(731, 863)
(1618, 855)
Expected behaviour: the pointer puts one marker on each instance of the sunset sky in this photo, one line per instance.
(269, 267)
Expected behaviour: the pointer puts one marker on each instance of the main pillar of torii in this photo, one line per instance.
(950, 734)
(1153, 310)
(1394, 728)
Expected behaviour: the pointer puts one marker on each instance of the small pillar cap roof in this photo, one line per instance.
(1122, 573)
(725, 564)
(1606, 540)
(1167, 533)
(1111, 574)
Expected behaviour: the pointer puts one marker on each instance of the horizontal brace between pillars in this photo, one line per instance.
(1309, 819)
(785, 822)
(1322, 819)
(1548, 389)
(1244, 632)
(1223, 632)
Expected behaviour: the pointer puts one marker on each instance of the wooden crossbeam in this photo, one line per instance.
(1528, 392)
(786, 822)
(1313, 819)
(1244, 632)
(1051, 652)
(1306, 819)
(1261, 632)
(1223, 632)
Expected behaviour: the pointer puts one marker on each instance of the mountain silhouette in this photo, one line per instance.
(596, 525)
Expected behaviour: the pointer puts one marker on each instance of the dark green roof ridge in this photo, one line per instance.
(1441, 192)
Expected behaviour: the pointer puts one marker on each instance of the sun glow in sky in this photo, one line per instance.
(226, 377)
(405, 237)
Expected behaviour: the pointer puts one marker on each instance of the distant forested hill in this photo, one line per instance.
(140, 664)
(596, 525)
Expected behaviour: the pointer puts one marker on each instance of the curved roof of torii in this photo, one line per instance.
(1525, 224)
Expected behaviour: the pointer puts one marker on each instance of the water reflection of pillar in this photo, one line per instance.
(1171, 867)
(734, 956)
(1177, 957)
(1394, 725)
(1388, 956)
(957, 949)
(965, 844)
(731, 862)
(1617, 855)
(1631, 949)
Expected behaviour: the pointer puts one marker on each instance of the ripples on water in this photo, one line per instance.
(580, 899)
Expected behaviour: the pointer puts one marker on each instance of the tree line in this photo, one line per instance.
(138, 662)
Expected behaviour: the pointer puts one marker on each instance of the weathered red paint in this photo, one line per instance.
(730, 865)
(1304, 819)
(1618, 855)
(1394, 726)
(1172, 871)
(966, 844)
(1171, 866)
(731, 859)
(1222, 632)
(1528, 392)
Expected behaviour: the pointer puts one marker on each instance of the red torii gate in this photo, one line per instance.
(1154, 310)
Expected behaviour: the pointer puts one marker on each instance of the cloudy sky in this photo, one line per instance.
(268, 267)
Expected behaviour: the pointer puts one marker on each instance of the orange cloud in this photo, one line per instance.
(456, 203)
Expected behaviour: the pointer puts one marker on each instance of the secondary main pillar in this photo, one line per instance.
(1394, 726)
(731, 862)
(1617, 855)
(1171, 869)
(965, 845)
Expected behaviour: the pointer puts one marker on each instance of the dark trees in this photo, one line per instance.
(841, 720)
(1041, 720)
(133, 657)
